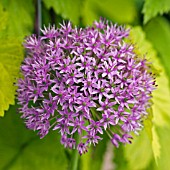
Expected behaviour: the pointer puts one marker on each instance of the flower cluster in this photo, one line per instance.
(84, 82)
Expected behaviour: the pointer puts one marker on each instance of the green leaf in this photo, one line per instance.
(20, 18)
(156, 146)
(158, 32)
(163, 162)
(139, 153)
(145, 47)
(161, 96)
(89, 14)
(11, 55)
(152, 8)
(3, 18)
(21, 148)
(161, 100)
(148, 124)
(119, 11)
(152, 134)
(67, 8)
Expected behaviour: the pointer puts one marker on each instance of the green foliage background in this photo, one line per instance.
(21, 149)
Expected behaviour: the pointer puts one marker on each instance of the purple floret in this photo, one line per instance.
(84, 82)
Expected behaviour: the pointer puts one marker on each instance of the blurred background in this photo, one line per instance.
(20, 148)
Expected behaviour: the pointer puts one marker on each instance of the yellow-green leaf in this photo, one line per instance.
(163, 162)
(139, 153)
(16, 21)
(156, 144)
(11, 55)
(160, 95)
(6, 90)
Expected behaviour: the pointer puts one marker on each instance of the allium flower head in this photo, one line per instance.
(84, 82)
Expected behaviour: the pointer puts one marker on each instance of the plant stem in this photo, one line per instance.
(74, 156)
(74, 160)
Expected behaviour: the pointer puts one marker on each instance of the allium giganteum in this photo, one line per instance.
(84, 82)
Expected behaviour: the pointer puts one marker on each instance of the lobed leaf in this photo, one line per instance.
(158, 33)
(16, 21)
(11, 55)
(154, 127)
(161, 96)
(6, 90)
(67, 8)
(148, 142)
(152, 8)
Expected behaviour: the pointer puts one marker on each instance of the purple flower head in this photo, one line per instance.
(84, 82)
